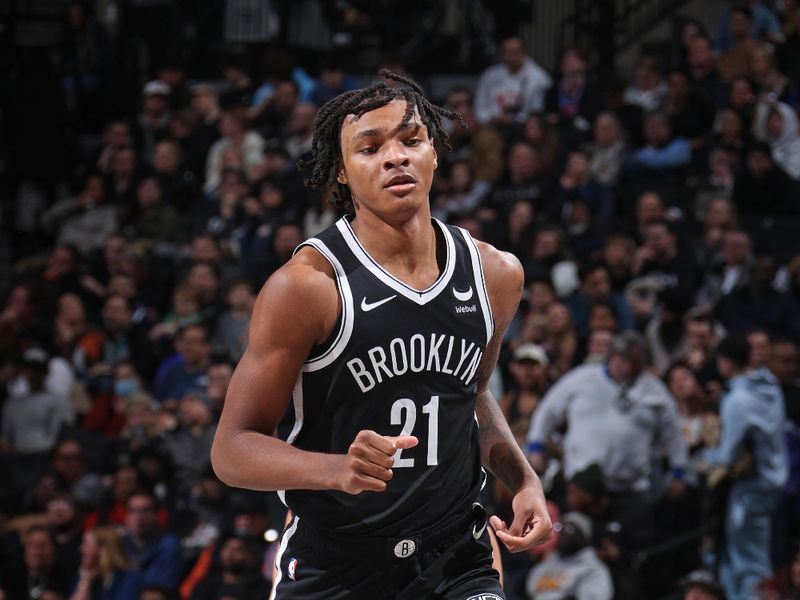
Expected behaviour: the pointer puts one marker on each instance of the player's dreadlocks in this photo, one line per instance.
(326, 151)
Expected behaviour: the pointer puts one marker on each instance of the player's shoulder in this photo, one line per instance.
(305, 277)
(500, 268)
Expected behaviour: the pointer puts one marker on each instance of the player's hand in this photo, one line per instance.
(531, 524)
(367, 466)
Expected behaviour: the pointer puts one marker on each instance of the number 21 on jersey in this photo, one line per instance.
(404, 412)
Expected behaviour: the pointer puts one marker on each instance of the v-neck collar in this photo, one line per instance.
(419, 296)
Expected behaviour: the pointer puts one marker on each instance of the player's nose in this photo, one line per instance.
(396, 156)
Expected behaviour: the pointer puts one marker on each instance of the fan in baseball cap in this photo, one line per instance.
(36, 358)
(155, 88)
(700, 584)
(531, 352)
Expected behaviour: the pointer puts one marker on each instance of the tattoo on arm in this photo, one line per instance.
(499, 450)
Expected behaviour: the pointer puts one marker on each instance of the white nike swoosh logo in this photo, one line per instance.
(368, 306)
(462, 296)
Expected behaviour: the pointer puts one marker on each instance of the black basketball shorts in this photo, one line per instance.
(459, 570)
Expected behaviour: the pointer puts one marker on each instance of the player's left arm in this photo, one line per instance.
(500, 452)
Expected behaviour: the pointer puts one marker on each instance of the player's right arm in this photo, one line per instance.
(296, 309)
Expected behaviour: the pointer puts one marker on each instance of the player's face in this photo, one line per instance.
(388, 169)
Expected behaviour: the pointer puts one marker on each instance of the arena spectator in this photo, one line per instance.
(84, 221)
(510, 91)
(188, 446)
(219, 377)
(521, 181)
(763, 24)
(752, 415)
(480, 146)
(116, 136)
(761, 187)
(152, 124)
(238, 575)
(271, 117)
(244, 145)
(596, 288)
(125, 481)
(689, 116)
(706, 81)
(577, 183)
(104, 572)
(39, 571)
(540, 133)
(659, 260)
(460, 193)
(203, 279)
(121, 178)
(205, 107)
(573, 102)
(662, 158)
(68, 465)
(692, 402)
(189, 370)
(607, 149)
(299, 129)
(774, 86)
(783, 364)
(729, 274)
(574, 571)
(530, 382)
(735, 61)
(230, 335)
(154, 555)
(758, 305)
(333, 80)
(648, 88)
(64, 519)
(637, 418)
(777, 124)
(701, 585)
(665, 331)
(150, 218)
(33, 422)
(178, 185)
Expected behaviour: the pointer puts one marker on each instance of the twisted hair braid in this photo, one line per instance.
(326, 150)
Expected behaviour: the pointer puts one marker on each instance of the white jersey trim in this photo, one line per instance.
(348, 311)
(279, 555)
(420, 297)
(480, 283)
(297, 399)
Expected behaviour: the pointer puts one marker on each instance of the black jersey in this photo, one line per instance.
(402, 362)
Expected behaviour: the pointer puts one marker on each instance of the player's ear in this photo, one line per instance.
(342, 177)
(435, 157)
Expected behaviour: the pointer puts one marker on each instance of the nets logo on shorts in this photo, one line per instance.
(292, 569)
(485, 597)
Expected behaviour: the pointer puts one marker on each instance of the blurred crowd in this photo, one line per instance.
(651, 373)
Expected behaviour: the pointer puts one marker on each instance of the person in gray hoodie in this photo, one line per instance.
(753, 420)
(573, 572)
(776, 123)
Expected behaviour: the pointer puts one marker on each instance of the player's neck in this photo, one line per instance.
(407, 249)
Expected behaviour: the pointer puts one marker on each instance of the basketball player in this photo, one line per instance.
(369, 358)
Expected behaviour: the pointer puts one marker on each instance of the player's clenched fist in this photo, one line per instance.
(367, 466)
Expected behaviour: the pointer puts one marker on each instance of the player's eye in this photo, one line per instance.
(413, 142)
(369, 150)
